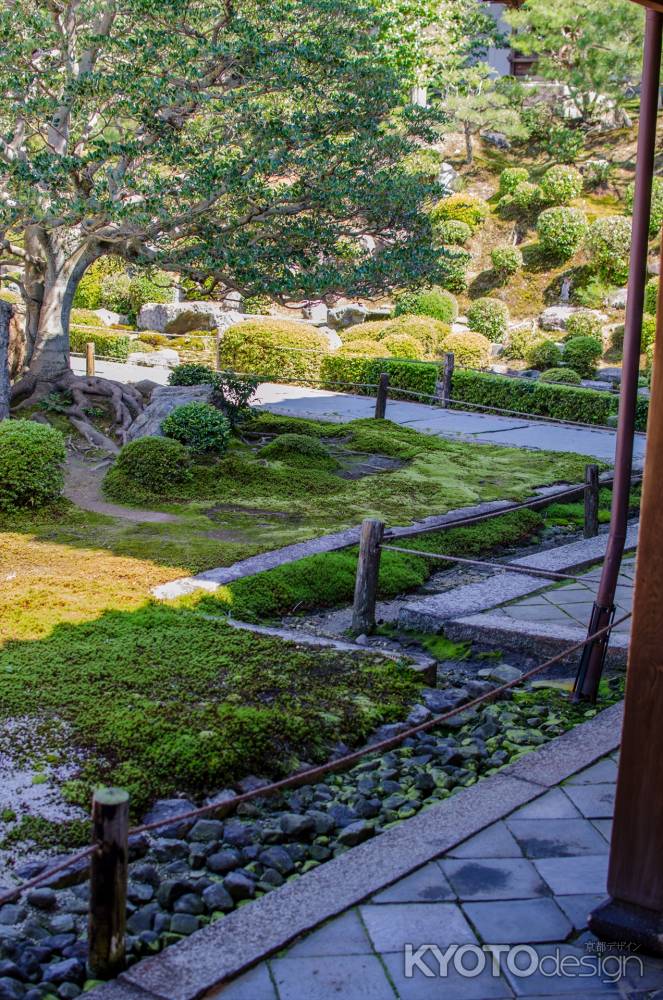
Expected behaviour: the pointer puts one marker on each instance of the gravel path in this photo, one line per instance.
(83, 487)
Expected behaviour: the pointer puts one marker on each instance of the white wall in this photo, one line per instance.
(498, 59)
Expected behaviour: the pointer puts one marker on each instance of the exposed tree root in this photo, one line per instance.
(125, 403)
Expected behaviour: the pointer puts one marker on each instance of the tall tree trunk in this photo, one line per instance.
(5, 316)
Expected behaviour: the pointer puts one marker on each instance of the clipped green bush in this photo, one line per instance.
(88, 293)
(461, 207)
(526, 197)
(271, 348)
(582, 353)
(155, 339)
(453, 232)
(126, 293)
(435, 302)
(402, 345)
(454, 262)
(506, 260)
(365, 348)
(561, 231)
(651, 296)
(198, 426)
(584, 324)
(417, 376)
(115, 346)
(470, 350)
(511, 177)
(656, 218)
(561, 184)
(490, 317)
(192, 374)
(299, 449)
(520, 339)
(543, 354)
(153, 463)
(648, 331)
(563, 376)
(430, 332)
(32, 457)
(608, 243)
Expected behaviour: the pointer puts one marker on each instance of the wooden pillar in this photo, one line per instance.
(634, 911)
(366, 582)
(381, 398)
(108, 883)
(89, 359)
(448, 365)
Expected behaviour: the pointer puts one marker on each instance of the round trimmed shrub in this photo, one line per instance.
(453, 233)
(364, 348)
(651, 296)
(154, 339)
(519, 341)
(526, 197)
(506, 260)
(154, 463)
(608, 243)
(461, 207)
(192, 374)
(656, 218)
(565, 376)
(543, 355)
(32, 456)
(272, 348)
(429, 332)
(511, 177)
(470, 350)
(582, 353)
(454, 262)
(402, 345)
(561, 231)
(435, 302)
(584, 324)
(489, 317)
(299, 449)
(199, 426)
(561, 184)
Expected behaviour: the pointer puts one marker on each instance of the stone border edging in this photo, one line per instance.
(191, 968)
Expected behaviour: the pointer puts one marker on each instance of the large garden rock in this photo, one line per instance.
(316, 313)
(448, 178)
(347, 315)
(182, 317)
(164, 399)
(110, 318)
(617, 299)
(164, 358)
(556, 317)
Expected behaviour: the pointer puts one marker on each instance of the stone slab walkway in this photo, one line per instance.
(301, 401)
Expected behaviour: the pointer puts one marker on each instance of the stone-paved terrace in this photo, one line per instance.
(529, 879)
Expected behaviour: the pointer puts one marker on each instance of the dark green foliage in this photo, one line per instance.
(648, 332)
(154, 463)
(435, 302)
(561, 375)
(543, 354)
(273, 348)
(233, 392)
(32, 456)
(582, 353)
(116, 346)
(651, 296)
(490, 317)
(192, 374)
(199, 426)
(299, 449)
(656, 218)
(561, 231)
(417, 376)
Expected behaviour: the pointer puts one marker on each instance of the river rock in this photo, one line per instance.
(182, 317)
(148, 424)
(164, 809)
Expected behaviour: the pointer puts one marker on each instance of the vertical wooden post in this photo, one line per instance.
(591, 501)
(381, 398)
(634, 910)
(89, 359)
(108, 882)
(366, 583)
(448, 364)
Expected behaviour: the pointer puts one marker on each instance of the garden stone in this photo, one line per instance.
(346, 315)
(206, 830)
(161, 923)
(144, 873)
(216, 897)
(503, 673)
(198, 855)
(62, 924)
(184, 923)
(316, 313)
(68, 991)
(166, 357)
(12, 913)
(183, 317)
(148, 424)
(617, 299)
(418, 714)
(319, 852)
(165, 809)
(240, 886)
(355, 833)
(61, 972)
(294, 825)
(42, 899)
(443, 701)
(448, 177)
(10, 970)
(110, 318)
(323, 823)
(223, 861)
(11, 990)
(171, 890)
(271, 878)
(387, 731)
(367, 808)
(238, 834)
(143, 919)
(296, 851)
(278, 858)
(556, 317)
(497, 139)
(189, 903)
(341, 815)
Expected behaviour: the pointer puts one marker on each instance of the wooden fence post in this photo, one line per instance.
(366, 583)
(89, 359)
(591, 501)
(381, 398)
(108, 883)
(447, 376)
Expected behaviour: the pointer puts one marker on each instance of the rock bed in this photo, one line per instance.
(193, 874)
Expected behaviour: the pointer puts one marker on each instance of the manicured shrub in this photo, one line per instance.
(418, 376)
(608, 244)
(153, 463)
(461, 207)
(424, 161)
(402, 345)
(651, 296)
(561, 184)
(199, 426)
(511, 177)
(563, 143)
(470, 350)
(506, 260)
(192, 374)
(596, 174)
(648, 331)
(270, 348)
(430, 332)
(435, 302)
(564, 376)
(519, 341)
(489, 317)
(584, 324)
(124, 293)
(157, 340)
(454, 262)
(656, 219)
(32, 457)
(88, 294)
(561, 231)
(299, 449)
(582, 353)
(526, 197)
(115, 346)
(365, 348)
(453, 233)
(543, 354)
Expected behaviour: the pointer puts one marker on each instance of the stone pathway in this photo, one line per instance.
(529, 880)
(301, 401)
(83, 487)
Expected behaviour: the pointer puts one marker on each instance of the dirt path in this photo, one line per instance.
(83, 487)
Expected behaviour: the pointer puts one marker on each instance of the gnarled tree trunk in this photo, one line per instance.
(5, 317)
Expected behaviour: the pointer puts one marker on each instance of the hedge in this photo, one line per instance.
(417, 376)
(116, 346)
